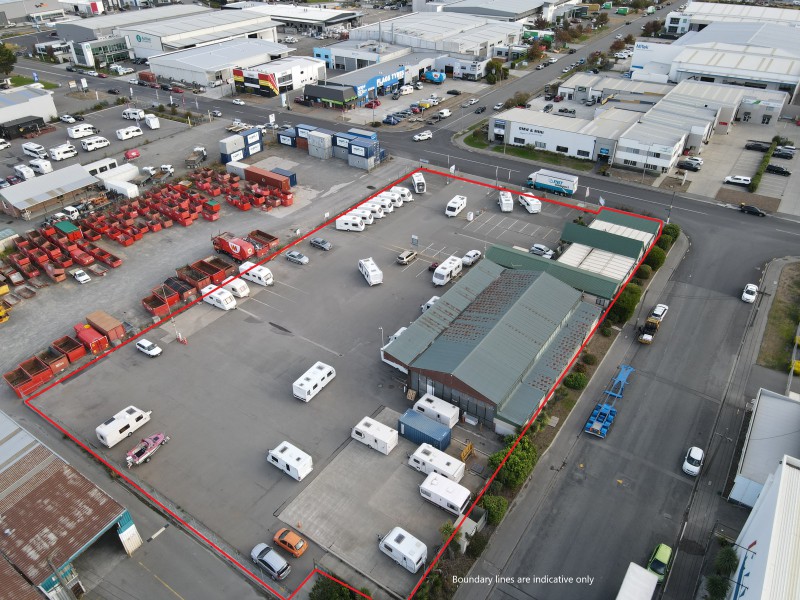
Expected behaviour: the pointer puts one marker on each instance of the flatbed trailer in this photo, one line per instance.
(605, 412)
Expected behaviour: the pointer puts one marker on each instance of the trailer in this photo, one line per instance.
(144, 450)
(449, 495)
(427, 459)
(639, 584)
(551, 181)
(376, 435)
(437, 410)
(291, 460)
(605, 412)
(313, 381)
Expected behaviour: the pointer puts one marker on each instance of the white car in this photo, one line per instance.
(693, 461)
(148, 348)
(238, 102)
(472, 101)
(659, 312)
(4, 144)
(693, 159)
(750, 293)
(67, 119)
(471, 257)
(618, 36)
(93, 73)
(133, 81)
(737, 180)
(498, 106)
(81, 276)
(541, 250)
(423, 135)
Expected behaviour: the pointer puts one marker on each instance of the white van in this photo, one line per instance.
(41, 166)
(363, 214)
(34, 150)
(24, 172)
(221, 298)
(81, 130)
(447, 271)
(376, 435)
(506, 202)
(449, 495)
(350, 223)
(122, 425)
(374, 208)
(72, 213)
(406, 90)
(312, 381)
(291, 460)
(94, 143)
(427, 459)
(418, 183)
(455, 206)
(437, 410)
(396, 199)
(404, 193)
(128, 132)
(444, 113)
(403, 548)
(237, 287)
(370, 271)
(258, 274)
(532, 205)
(133, 113)
(387, 204)
(63, 152)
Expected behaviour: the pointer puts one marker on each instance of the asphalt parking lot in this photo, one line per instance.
(225, 398)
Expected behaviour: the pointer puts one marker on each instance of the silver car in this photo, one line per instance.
(271, 562)
(295, 257)
(541, 250)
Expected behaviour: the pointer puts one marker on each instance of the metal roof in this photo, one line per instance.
(215, 57)
(701, 11)
(297, 14)
(437, 27)
(218, 22)
(393, 65)
(774, 430)
(602, 262)
(19, 95)
(50, 510)
(30, 193)
(133, 17)
(628, 220)
(603, 239)
(504, 9)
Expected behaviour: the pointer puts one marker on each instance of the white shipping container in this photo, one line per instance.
(376, 435)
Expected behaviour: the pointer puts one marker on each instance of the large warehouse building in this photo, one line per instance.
(18, 103)
(302, 18)
(696, 16)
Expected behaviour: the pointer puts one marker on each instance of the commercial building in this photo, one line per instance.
(205, 65)
(58, 50)
(18, 103)
(279, 76)
(22, 11)
(43, 193)
(500, 10)
(96, 28)
(358, 54)
(302, 18)
(700, 15)
(99, 53)
(148, 39)
(49, 516)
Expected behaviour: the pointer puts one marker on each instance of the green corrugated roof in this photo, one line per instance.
(596, 238)
(591, 283)
(631, 221)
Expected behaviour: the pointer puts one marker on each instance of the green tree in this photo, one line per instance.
(7, 60)
(601, 19)
(726, 561)
(477, 544)
(540, 23)
(623, 308)
(717, 587)
(519, 464)
(576, 381)
(673, 230)
(664, 242)
(327, 589)
(617, 45)
(496, 507)
(629, 39)
(656, 258)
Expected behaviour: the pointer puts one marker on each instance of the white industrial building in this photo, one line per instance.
(85, 8)
(279, 76)
(22, 11)
(358, 54)
(501, 10)
(97, 28)
(148, 39)
(699, 15)
(20, 102)
(302, 17)
(206, 64)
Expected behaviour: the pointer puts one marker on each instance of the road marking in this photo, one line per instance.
(471, 161)
(265, 304)
(161, 581)
(317, 345)
(789, 232)
(249, 313)
(158, 533)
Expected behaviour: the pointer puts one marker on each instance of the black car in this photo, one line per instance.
(480, 109)
(783, 154)
(778, 170)
(756, 146)
(688, 166)
(78, 117)
(752, 210)
(143, 82)
(166, 87)
(114, 91)
(454, 92)
(71, 69)
(572, 50)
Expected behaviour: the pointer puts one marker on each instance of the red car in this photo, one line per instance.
(131, 154)
(433, 266)
(416, 110)
(372, 104)
(177, 90)
(102, 75)
(155, 86)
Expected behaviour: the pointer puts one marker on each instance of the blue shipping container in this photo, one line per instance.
(363, 133)
(362, 147)
(422, 430)
(290, 174)
(342, 140)
(302, 130)
(251, 136)
(287, 140)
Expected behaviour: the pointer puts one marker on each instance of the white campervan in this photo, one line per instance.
(94, 143)
(127, 133)
(237, 287)
(258, 274)
(427, 459)
(406, 550)
(220, 298)
(122, 425)
(34, 150)
(24, 172)
(81, 130)
(455, 206)
(506, 202)
(133, 113)
(447, 270)
(418, 183)
(376, 435)
(532, 205)
(350, 223)
(437, 410)
(63, 152)
(363, 214)
(291, 460)
(404, 193)
(370, 271)
(312, 381)
(375, 209)
(41, 166)
(449, 495)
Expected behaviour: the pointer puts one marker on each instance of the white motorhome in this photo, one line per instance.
(152, 121)
(437, 410)
(133, 113)
(350, 223)
(447, 270)
(506, 202)
(94, 143)
(258, 274)
(220, 298)
(387, 204)
(81, 130)
(34, 150)
(122, 425)
(127, 133)
(375, 209)
(427, 459)
(406, 550)
(312, 381)
(449, 495)
(41, 166)
(370, 271)
(455, 206)
(376, 435)
(237, 287)
(364, 214)
(397, 199)
(24, 172)
(418, 183)
(404, 193)
(532, 205)
(63, 152)
(291, 460)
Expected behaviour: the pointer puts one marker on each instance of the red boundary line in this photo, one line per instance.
(29, 401)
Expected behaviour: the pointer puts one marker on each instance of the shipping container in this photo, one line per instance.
(359, 162)
(106, 324)
(421, 430)
(302, 143)
(231, 144)
(343, 140)
(254, 149)
(251, 136)
(269, 178)
(339, 152)
(317, 139)
(303, 130)
(321, 152)
(236, 168)
(287, 140)
(290, 174)
(235, 157)
(362, 133)
(360, 147)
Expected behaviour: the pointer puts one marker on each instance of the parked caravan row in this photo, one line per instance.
(312, 381)
(447, 270)
(218, 298)
(437, 410)
(24, 172)
(258, 274)
(236, 286)
(370, 271)
(376, 435)
(291, 460)
(531, 204)
(449, 495)
(350, 222)
(427, 459)
(81, 130)
(133, 114)
(122, 425)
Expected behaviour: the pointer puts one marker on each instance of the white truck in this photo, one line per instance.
(639, 584)
(552, 181)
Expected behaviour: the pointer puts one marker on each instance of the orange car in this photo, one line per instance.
(291, 542)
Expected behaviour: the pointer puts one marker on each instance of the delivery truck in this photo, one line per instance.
(552, 181)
